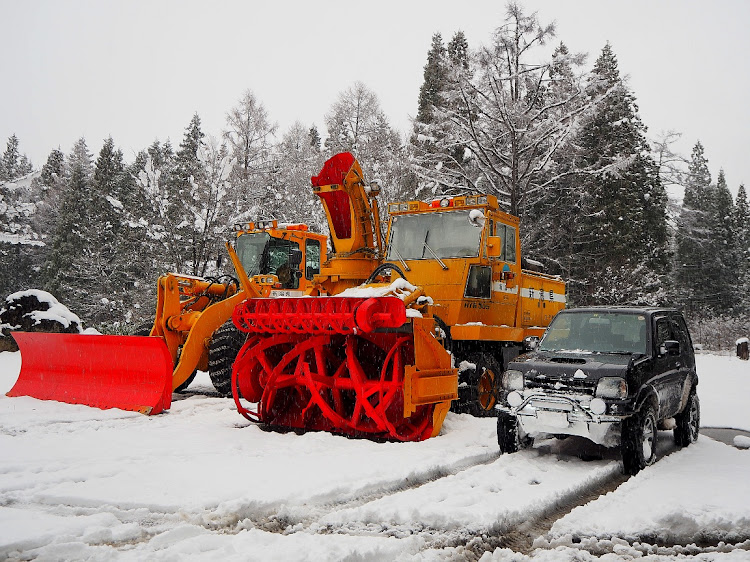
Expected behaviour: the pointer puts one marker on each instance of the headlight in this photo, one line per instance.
(513, 380)
(612, 387)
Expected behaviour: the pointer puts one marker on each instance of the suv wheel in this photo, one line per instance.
(688, 421)
(639, 440)
(508, 435)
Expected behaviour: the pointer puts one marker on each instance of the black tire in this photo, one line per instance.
(639, 434)
(225, 345)
(508, 435)
(688, 421)
(479, 395)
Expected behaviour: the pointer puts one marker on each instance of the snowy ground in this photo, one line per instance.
(200, 482)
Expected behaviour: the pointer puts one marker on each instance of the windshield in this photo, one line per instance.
(259, 253)
(453, 234)
(596, 332)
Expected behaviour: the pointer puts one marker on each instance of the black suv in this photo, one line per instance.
(610, 374)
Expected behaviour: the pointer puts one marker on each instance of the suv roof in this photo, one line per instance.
(648, 310)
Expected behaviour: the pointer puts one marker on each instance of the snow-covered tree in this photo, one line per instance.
(725, 265)
(14, 164)
(435, 80)
(357, 124)
(66, 272)
(693, 240)
(742, 249)
(625, 226)
(249, 136)
(504, 116)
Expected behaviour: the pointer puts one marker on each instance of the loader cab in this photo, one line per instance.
(290, 252)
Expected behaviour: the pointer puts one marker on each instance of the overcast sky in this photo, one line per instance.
(139, 69)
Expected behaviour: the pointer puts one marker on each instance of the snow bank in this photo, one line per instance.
(724, 391)
(708, 493)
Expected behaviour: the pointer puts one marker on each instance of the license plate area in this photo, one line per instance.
(553, 419)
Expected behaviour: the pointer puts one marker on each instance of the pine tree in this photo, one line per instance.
(625, 229)
(9, 169)
(66, 273)
(315, 140)
(693, 243)
(435, 78)
(458, 50)
(742, 249)
(723, 269)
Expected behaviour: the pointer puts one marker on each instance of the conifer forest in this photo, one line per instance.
(558, 139)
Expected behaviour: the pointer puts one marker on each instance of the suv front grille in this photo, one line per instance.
(559, 386)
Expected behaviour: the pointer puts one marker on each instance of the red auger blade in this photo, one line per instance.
(127, 372)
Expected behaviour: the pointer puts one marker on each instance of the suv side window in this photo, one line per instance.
(683, 336)
(662, 333)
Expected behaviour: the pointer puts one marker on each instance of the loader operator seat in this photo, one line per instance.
(286, 277)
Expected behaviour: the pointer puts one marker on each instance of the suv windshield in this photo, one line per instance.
(259, 253)
(596, 332)
(453, 234)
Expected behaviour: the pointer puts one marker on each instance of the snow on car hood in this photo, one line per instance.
(573, 365)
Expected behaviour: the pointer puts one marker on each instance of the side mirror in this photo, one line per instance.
(494, 248)
(530, 343)
(670, 347)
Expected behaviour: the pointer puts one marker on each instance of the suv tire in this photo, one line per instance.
(639, 434)
(688, 421)
(508, 436)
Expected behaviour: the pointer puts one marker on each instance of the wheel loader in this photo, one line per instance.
(192, 329)
(393, 333)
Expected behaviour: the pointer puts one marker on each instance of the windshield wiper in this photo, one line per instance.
(398, 255)
(434, 255)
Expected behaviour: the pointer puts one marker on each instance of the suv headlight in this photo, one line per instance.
(513, 380)
(612, 387)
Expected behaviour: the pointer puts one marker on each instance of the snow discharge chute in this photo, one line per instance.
(127, 372)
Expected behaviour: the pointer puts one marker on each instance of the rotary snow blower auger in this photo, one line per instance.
(354, 363)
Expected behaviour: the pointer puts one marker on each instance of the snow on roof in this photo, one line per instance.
(742, 340)
(57, 312)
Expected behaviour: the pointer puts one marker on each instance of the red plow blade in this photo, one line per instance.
(127, 372)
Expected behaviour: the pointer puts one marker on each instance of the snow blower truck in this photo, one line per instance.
(192, 329)
(392, 335)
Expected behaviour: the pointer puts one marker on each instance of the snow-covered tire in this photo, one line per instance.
(639, 434)
(688, 421)
(225, 345)
(478, 395)
(508, 434)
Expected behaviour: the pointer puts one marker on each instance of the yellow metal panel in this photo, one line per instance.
(486, 333)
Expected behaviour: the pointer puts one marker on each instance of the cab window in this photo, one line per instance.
(312, 258)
